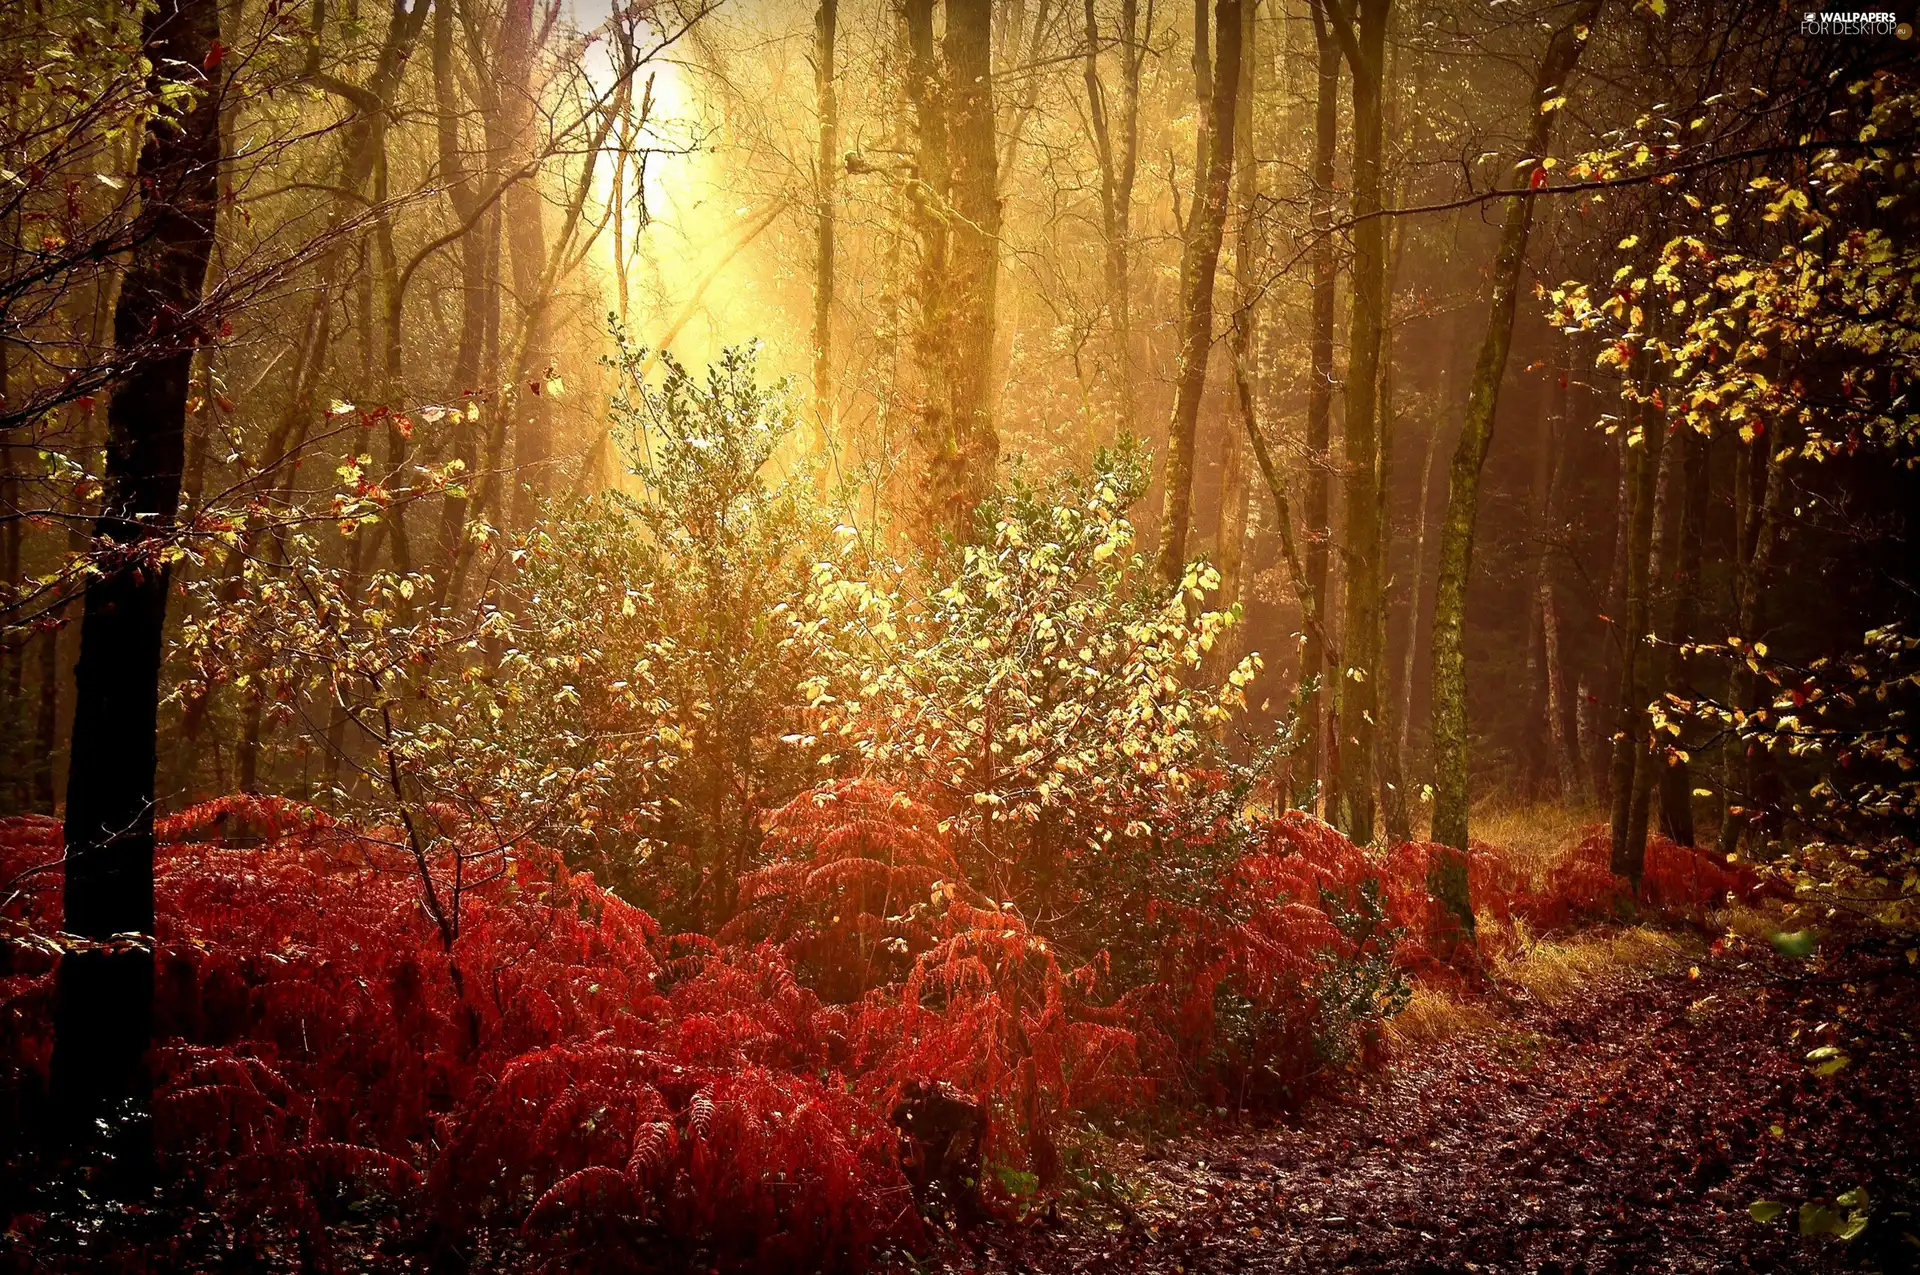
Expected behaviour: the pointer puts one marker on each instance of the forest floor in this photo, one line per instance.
(1621, 1117)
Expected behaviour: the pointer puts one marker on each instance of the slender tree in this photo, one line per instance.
(1320, 382)
(1676, 778)
(1450, 760)
(1627, 788)
(1217, 80)
(1363, 40)
(826, 192)
(1230, 547)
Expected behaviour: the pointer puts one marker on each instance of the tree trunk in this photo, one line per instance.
(1119, 159)
(1676, 778)
(1535, 730)
(464, 381)
(1651, 661)
(957, 214)
(1575, 780)
(1235, 485)
(103, 1015)
(1319, 530)
(1396, 814)
(1758, 530)
(14, 720)
(360, 142)
(1573, 791)
(1626, 795)
(1599, 756)
(1416, 596)
(826, 192)
(1363, 39)
(1450, 744)
(1201, 257)
(510, 131)
(928, 193)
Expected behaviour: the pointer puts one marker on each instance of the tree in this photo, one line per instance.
(1320, 378)
(956, 200)
(1119, 162)
(1363, 40)
(106, 992)
(1235, 485)
(1216, 84)
(826, 179)
(1450, 742)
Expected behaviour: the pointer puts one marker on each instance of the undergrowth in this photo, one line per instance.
(569, 1087)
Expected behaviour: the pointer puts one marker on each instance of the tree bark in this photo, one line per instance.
(1319, 503)
(1652, 662)
(1363, 40)
(510, 133)
(826, 192)
(1450, 744)
(1676, 778)
(1598, 756)
(103, 1015)
(1119, 160)
(1200, 259)
(1758, 528)
(1575, 780)
(956, 199)
(14, 721)
(1535, 751)
(1235, 485)
(1626, 794)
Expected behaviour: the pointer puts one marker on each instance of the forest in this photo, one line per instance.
(959, 635)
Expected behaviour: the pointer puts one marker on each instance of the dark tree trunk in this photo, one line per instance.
(1758, 526)
(1206, 225)
(1652, 662)
(1599, 755)
(474, 289)
(13, 715)
(1318, 532)
(1676, 778)
(1534, 759)
(103, 1018)
(1628, 806)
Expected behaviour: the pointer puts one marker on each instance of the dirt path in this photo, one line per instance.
(1626, 1129)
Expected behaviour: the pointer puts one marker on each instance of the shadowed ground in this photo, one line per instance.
(1624, 1127)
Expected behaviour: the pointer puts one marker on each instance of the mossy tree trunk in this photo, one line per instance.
(1354, 678)
(1450, 746)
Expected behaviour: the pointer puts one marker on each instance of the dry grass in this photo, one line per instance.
(1555, 970)
(1434, 1017)
(1533, 838)
(1551, 971)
